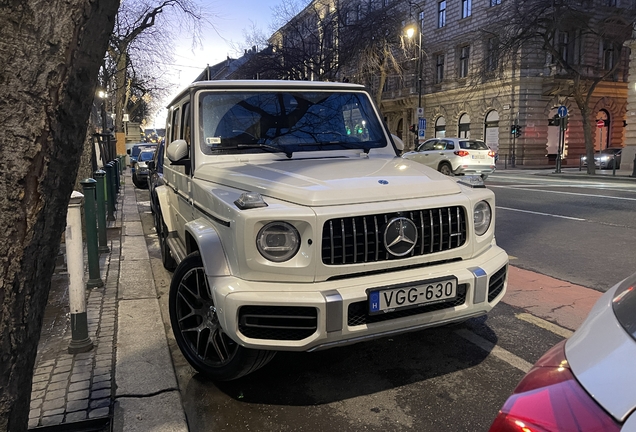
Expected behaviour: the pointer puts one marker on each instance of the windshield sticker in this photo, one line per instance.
(213, 141)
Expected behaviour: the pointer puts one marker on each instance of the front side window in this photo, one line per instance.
(467, 8)
(287, 121)
(495, 2)
(441, 14)
(464, 55)
(492, 56)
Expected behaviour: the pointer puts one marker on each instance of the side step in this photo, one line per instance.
(176, 247)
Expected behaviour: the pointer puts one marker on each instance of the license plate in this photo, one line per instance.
(479, 157)
(414, 295)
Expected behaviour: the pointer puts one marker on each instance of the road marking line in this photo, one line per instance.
(542, 214)
(510, 257)
(495, 350)
(547, 325)
(571, 193)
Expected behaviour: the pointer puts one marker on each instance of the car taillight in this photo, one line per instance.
(461, 153)
(491, 153)
(550, 399)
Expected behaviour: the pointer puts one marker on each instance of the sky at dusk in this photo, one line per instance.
(231, 19)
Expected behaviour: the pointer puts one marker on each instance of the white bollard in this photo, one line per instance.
(80, 341)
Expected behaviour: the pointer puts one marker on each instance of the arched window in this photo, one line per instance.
(491, 130)
(440, 128)
(464, 126)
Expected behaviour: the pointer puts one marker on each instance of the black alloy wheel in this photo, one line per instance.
(197, 329)
(445, 169)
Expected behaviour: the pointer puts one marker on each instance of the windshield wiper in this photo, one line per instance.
(268, 147)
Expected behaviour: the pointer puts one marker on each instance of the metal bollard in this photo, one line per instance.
(110, 195)
(101, 211)
(614, 164)
(113, 179)
(80, 341)
(118, 174)
(95, 279)
(115, 175)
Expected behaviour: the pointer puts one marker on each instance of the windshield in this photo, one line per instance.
(137, 149)
(146, 156)
(293, 121)
(473, 145)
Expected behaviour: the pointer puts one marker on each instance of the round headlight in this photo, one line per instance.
(482, 216)
(278, 241)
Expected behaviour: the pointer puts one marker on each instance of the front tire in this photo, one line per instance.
(197, 329)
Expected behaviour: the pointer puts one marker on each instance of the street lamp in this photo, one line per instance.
(410, 33)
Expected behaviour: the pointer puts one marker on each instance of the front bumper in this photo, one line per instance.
(308, 317)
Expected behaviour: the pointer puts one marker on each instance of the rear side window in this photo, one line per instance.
(473, 145)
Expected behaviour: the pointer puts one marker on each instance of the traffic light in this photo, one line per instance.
(413, 129)
(513, 130)
(518, 131)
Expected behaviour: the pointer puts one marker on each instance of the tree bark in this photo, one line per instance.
(50, 52)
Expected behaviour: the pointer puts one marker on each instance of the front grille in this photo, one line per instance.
(360, 239)
(496, 283)
(278, 322)
(358, 312)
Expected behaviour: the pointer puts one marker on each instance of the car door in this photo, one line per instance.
(427, 154)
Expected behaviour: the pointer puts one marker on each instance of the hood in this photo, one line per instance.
(331, 181)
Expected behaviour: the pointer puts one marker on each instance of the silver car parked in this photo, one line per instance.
(455, 156)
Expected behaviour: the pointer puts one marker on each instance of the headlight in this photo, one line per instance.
(482, 216)
(604, 158)
(278, 241)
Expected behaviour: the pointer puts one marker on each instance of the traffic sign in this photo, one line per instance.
(562, 111)
(421, 127)
(600, 123)
(420, 112)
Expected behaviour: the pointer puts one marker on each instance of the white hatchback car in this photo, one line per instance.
(455, 156)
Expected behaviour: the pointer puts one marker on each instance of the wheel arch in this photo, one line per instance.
(202, 236)
(164, 205)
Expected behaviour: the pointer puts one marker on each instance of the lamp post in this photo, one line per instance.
(410, 33)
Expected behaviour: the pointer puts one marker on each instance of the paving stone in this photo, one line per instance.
(100, 403)
(44, 370)
(80, 370)
(80, 377)
(53, 412)
(100, 412)
(76, 416)
(40, 378)
(77, 395)
(62, 368)
(52, 420)
(57, 386)
(36, 403)
(101, 385)
(77, 405)
(33, 413)
(39, 386)
(81, 385)
(39, 394)
(52, 404)
(60, 377)
(34, 422)
(103, 377)
(100, 393)
(51, 395)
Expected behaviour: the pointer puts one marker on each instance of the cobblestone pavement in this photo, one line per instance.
(75, 388)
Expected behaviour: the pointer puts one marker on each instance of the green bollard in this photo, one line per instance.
(113, 180)
(101, 211)
(95, 279)
(110, 200)
(117, 176)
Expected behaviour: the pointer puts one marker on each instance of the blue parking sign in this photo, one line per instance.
(421, 126)
(562, 111)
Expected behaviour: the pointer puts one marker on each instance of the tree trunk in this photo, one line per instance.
(50, 55)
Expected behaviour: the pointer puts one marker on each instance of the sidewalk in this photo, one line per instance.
(127, 381)
(624, 175)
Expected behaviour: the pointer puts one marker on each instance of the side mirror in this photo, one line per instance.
(151, 165)
(128, 151)
(177, 151)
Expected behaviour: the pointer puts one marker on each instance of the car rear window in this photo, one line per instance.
(473, 145)
(624, 304)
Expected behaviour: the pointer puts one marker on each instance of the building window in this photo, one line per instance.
(464, 55)
(358, 12)
(421, 18)
(495, 2)
(611, 2)
(439, 69)
(492, 56)
(467, 8)
(564, 40)
(385, 3)
(441, 14)
(347, 18)
(608, 55)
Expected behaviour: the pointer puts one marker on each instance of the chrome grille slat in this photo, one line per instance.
(341, 244)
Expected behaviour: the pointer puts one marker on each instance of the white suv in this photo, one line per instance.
(296, 227)
(455, 156)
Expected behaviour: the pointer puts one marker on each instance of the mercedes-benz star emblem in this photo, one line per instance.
(400, 236)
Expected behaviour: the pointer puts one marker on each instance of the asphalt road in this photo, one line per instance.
(444, 379)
